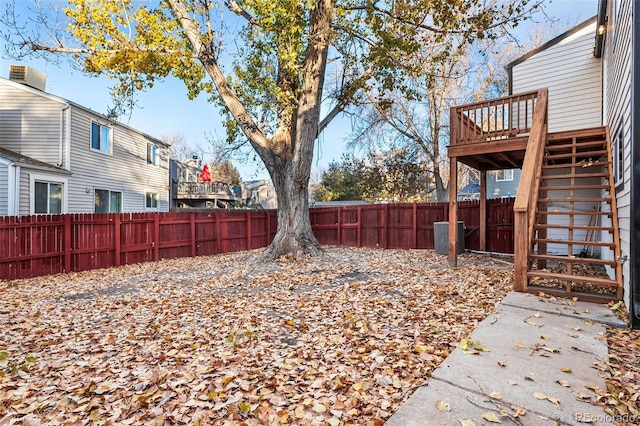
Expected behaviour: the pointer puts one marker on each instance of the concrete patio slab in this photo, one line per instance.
(541, 356)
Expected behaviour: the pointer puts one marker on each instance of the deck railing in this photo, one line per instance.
(528, 188)
(493, 119)
(203, 190)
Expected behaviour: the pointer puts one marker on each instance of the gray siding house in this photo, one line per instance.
(60, 157)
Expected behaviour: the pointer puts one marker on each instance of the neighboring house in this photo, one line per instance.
(259, 194)
(60, 157)
(187, 192)
(500, 184)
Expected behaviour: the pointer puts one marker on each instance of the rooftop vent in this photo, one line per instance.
(28, 76)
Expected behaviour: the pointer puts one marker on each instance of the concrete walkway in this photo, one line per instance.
(542, 357)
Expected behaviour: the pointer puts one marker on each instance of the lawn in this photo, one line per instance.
(340, 339)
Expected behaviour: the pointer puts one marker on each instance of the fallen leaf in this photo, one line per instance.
(319, 408)
(467, 422)
(539, 395)
(566, 370)
(443, 406)
(495, 395)
(564, 383)
(490, 416)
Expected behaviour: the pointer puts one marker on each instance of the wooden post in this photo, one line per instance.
(248, 216)
(359, 229)
(483, 209)
(414, 238)
(218, 233)
(192, 224)
(339, 225)
(453, 211)
(67, 243)
(385, 226)
(117, 236)
(156, 233)
(521, 239)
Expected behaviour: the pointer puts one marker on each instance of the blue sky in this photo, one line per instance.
(167, 110)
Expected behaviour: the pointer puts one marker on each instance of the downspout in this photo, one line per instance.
(634, 252)
(66, 131)
(13, 187)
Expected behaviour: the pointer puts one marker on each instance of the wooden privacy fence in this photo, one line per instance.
(48, 244)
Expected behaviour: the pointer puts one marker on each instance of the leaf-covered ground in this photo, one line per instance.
(340, 339)
(621, 399)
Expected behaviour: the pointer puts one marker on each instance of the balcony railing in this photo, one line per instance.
(203, 190)
(493, 119)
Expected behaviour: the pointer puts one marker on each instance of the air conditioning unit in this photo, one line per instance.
(28, 76)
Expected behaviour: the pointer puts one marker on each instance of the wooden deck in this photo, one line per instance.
(571, 169)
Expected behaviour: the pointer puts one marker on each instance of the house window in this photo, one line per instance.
(152, 200)
(100, 138)
(47, 198)
(504, 175)
(617, 154)
(152, 154)
(106, 201)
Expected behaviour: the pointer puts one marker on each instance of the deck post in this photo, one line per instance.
(483, 209)
(453, 211)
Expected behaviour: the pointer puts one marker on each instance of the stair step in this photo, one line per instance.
(570, 187)
(580, 144)
(582, 134)
(599, 298)
(602, 282)
(574, 200)
(581, 175)
(579, 154)
(579, 165)
(572, 213)
(573, 259)
(578, 227)
(574, 242)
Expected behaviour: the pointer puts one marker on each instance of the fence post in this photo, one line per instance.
(156, 236)
(339, 225)
(268, 227)
(67, 243)
(414, 234)
(218, 232)
(385, 225)
(117, 239)
(192, 224)
(359, 228)
(248, 216)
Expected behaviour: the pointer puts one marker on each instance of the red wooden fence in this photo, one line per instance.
(49, 244)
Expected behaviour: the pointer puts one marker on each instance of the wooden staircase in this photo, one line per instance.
(574, 248)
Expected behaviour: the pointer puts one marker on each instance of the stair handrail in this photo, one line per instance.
(527, 196)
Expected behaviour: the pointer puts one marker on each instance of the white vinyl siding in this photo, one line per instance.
(125, 170)
(617, 56)
(574, 79)
(30, 124)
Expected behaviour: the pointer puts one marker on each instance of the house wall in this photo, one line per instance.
(617, 56)
(573, 76)
(124, 170)
(29, 124)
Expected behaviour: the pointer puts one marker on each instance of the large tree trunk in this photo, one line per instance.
(294, 235)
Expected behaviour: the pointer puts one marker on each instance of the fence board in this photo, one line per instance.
(39, 245)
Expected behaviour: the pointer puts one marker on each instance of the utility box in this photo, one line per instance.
(441, 237)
